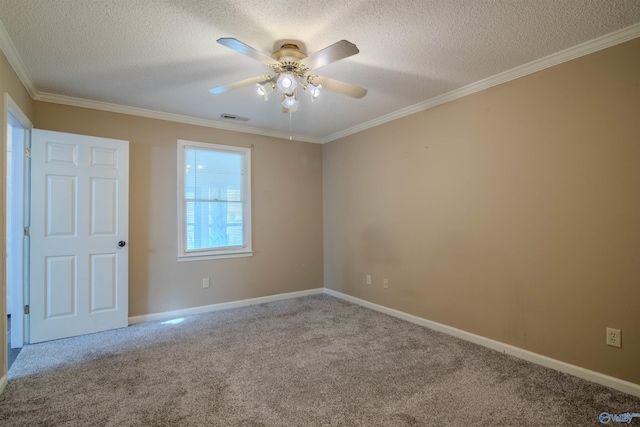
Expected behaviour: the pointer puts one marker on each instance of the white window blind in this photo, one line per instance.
(214, 215)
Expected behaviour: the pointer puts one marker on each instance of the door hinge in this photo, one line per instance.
(27, 231)
(27, 153)
(26, 309)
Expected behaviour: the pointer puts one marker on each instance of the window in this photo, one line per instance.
(214, 194)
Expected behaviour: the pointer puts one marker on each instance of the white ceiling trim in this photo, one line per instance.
(14, 59)
(583, 49)
(577, 51)
(159, 115)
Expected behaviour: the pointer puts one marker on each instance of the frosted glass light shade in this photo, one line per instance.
(287, 83)
(313, 91)
(265, 89)
(290, 103)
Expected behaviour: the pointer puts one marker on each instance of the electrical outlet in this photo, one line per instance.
(368, 279)
(385, 284)
(205, 283)
(614, 339)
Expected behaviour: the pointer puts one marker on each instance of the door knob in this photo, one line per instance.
(121, 243)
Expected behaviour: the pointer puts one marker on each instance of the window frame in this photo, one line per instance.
(212, 253)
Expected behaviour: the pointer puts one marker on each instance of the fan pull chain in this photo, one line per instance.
(290, 136)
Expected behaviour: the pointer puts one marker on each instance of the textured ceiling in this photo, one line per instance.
(162, 55)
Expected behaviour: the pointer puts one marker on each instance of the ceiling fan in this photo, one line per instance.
(292, 70)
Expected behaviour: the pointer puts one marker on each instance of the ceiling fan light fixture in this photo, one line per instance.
(265, 89)
(313, 91)
(287, 83)
(290, 103)
(290, 67)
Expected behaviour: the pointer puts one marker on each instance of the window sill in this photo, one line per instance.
(187, 258)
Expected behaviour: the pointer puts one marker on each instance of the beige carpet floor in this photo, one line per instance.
(312, 361)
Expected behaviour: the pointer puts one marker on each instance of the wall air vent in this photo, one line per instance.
(228, 116)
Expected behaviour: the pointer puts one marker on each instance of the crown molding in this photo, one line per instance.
(9, 49)
(159, 115)
(569, 54)
(574, 52)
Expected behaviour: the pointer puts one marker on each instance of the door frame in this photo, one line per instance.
(19, 292)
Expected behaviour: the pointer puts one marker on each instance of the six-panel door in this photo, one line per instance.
(79, 216)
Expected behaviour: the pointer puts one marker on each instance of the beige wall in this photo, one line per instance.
(286, 204)
(9, 83)
(513, 213)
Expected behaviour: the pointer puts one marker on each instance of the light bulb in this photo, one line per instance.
(265, 89)
(290, 103)
(286, 83)
(314, 91)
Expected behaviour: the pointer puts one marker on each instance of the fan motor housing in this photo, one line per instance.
(288, 52)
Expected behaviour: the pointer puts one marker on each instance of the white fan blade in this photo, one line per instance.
(333, 53)
(226, 88)
(247, 50)
(340, 87)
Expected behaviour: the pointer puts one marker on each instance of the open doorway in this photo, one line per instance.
(17, 219)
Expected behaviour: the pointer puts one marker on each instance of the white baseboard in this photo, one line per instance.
(596, 377)
(166, 315)
(3, 383)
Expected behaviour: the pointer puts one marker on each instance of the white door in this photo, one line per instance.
(79, 228)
